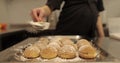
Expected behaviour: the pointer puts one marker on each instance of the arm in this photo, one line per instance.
(47, 10)
(38, 14)
(54, 4)
(100, 27)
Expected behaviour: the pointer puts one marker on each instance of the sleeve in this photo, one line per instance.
(54, 4)
(100, 6)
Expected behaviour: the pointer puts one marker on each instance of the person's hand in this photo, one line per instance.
(38, 14)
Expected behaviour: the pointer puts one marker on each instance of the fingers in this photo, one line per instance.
(34, 15)
(41, 15)
(37, 14)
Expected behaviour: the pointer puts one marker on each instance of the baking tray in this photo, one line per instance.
(102, 56)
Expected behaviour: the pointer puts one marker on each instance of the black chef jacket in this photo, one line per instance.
(78, 17)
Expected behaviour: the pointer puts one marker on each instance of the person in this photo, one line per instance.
(78, 17)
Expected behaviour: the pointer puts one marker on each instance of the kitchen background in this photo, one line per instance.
(18, 12)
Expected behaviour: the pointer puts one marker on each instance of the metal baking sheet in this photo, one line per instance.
(103, 55)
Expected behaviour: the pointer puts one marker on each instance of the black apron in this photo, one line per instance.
(78, 17)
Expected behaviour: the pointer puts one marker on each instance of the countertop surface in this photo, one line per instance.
(10, 30)
(14, 27)
(111, 46)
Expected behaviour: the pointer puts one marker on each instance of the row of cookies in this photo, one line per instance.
(60, 47)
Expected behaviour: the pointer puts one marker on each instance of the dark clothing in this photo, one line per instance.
(78, 17)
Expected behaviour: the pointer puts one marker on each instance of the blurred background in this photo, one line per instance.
(17, 12)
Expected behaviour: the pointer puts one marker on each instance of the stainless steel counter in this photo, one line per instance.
(111, 46)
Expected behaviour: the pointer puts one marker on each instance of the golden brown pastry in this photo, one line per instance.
(67, 52)
(54, 44)
(40, 45)
(75, 46)
(44, 40)
(31, 52)
(56, 40)
(87, 52)
(82, 42)
(66, 41)
(49, 52)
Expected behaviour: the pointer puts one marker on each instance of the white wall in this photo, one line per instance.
(113, 8)
(3, 11)
(19, 10)
(112, 15)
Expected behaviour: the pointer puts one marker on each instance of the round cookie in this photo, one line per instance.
(40, 45)
(82, 42)
(66, 41)
(31, 52)
(49, 52)
(54, 44)
(67, 52)
(44, 40)
(87, 52)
